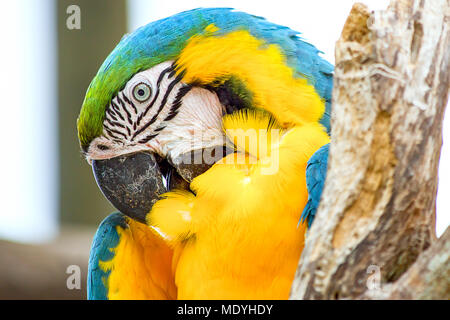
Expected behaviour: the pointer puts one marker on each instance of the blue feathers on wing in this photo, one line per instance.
(105, 239)
(316, 172)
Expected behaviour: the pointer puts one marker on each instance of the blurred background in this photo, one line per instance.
(51, 204)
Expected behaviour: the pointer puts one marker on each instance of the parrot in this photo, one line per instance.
(209, 132)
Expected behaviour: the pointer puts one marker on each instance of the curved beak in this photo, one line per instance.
(132, 183)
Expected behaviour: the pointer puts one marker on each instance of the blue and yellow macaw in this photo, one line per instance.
(209, 132)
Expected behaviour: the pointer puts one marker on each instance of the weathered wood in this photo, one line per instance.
(428, 278)
(391, 87)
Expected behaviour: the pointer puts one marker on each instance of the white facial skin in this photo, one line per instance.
(142, 117)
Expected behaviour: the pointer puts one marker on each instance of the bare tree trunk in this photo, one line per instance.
(377, 212)
(427, 278)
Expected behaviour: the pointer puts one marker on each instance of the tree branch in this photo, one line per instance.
(428, 278)
(391, 86)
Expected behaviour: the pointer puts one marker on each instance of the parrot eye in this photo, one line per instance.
(141, 92)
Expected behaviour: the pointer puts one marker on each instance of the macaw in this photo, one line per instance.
(207, 211)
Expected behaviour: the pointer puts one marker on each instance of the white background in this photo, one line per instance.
(29, 161)
(28, 126)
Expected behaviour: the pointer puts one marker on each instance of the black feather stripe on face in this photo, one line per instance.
(117, 111)
(177, 102)
(161, 106)
(158, 88)
(148, 138)
(123, 119)
(115, 123)
(125, 109)
(112, 133)
(128, 101)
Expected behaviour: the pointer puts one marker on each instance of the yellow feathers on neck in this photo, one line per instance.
(261, 67)
(252, 131)
(239, 232)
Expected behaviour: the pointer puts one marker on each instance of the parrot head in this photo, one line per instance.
(151, 119)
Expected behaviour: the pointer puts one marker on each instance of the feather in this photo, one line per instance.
(105, 240)
(316, 173)
(123, 255)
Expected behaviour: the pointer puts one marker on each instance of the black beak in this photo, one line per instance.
(132, 183)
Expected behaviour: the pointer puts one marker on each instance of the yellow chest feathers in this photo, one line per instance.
(238, 236)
